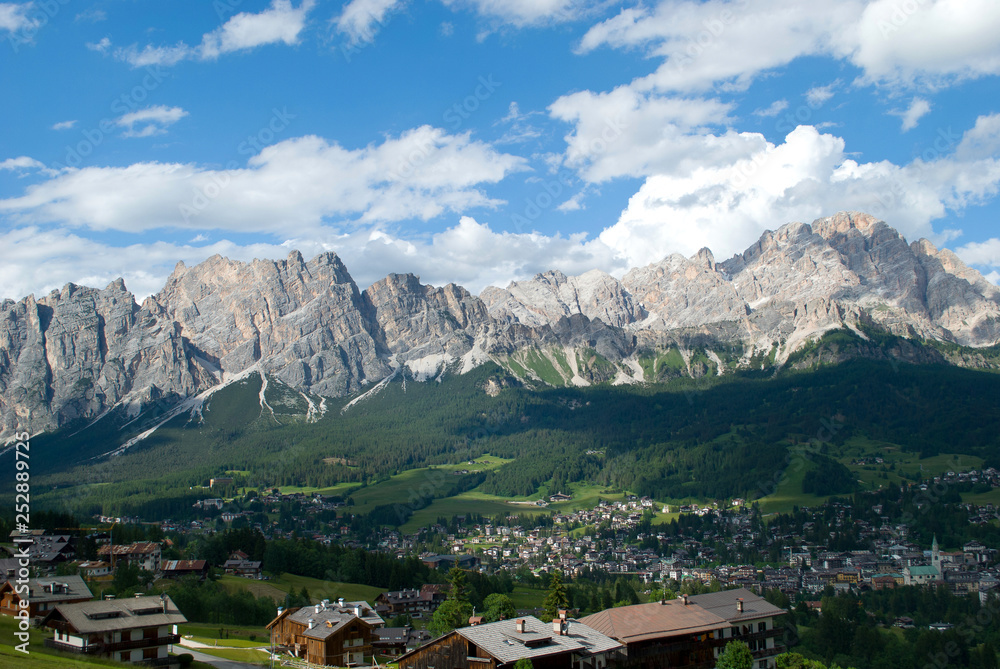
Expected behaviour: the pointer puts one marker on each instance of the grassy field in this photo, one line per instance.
(527, 599)
(40, 657)
(249, 655)
(277, 588)
(991, 497)
(342, 489)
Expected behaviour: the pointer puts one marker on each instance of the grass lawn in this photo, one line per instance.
(526, 598)
(318, 589)
(416, 483)
(208, 633)
(983, 498)
(789, 491)
(340, 489)
(238, 654)
(40, 657)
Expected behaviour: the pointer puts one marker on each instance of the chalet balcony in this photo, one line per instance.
(107, 648)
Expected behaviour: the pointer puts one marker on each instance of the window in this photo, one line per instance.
(761, 627)
(762, 664)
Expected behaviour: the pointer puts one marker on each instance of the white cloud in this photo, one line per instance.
(64, 125)
(703, 44)
(630, 133)
(994, 277)
(911, 115)
(773, 109)
(150, 121)
(100, 46)
(360, 20)
(727, 206)
(522, 13)
(164, 56)
(92, 15)
(21, 163)
(980, 253)
(14, 16)
(280, 23)
(931, 41)
(819, 95)
(293, 184)
(469, 253)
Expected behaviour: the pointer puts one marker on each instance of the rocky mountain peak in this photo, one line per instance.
(79, 352)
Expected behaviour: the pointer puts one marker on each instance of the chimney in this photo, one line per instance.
(563, 613)
(519, 626)
(685, 598)
(739, 604)
(318, 609)
(326, 603)
(281, 610)
(357, 610)
(310, 623)
(340, 602)
(557, 627)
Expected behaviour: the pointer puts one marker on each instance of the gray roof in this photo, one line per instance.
(502, 641)
(335, 614)
(118, 614)
(723, 604)
(57, 589)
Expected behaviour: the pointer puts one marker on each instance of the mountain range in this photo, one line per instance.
(77, 354)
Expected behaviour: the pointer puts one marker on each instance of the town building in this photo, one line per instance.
(143, 554)
(43, 594)
(753, 621)
(670, 633)
(140, 629)
(564, 644)
(340, 634)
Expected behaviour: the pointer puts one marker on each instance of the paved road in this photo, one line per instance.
(218, 662)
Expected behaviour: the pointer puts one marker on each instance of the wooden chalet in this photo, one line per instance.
(138, 629)
(337, 634)
(565, 644)
(672, 633)
(43, 594)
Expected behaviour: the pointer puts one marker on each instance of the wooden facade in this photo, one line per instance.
(327, 637)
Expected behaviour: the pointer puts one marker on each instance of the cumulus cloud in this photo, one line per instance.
(728, 205)
(931, 42)
(702, 44)
(468, 253)
(630, 133)
(522, 13)
(705, 43)
(773, 109)
(280, 23)
(21, 163)
(64, 125)
(360, 20)
(296, 183)
(14, 16)
(911, 115)
(985, 253)
(149, 121)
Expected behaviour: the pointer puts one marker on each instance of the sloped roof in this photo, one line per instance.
(502, 641)
(641, 622)
(117, 614)
(75, 589)
(723, 604)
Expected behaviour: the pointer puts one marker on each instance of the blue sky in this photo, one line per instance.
(481, 141)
